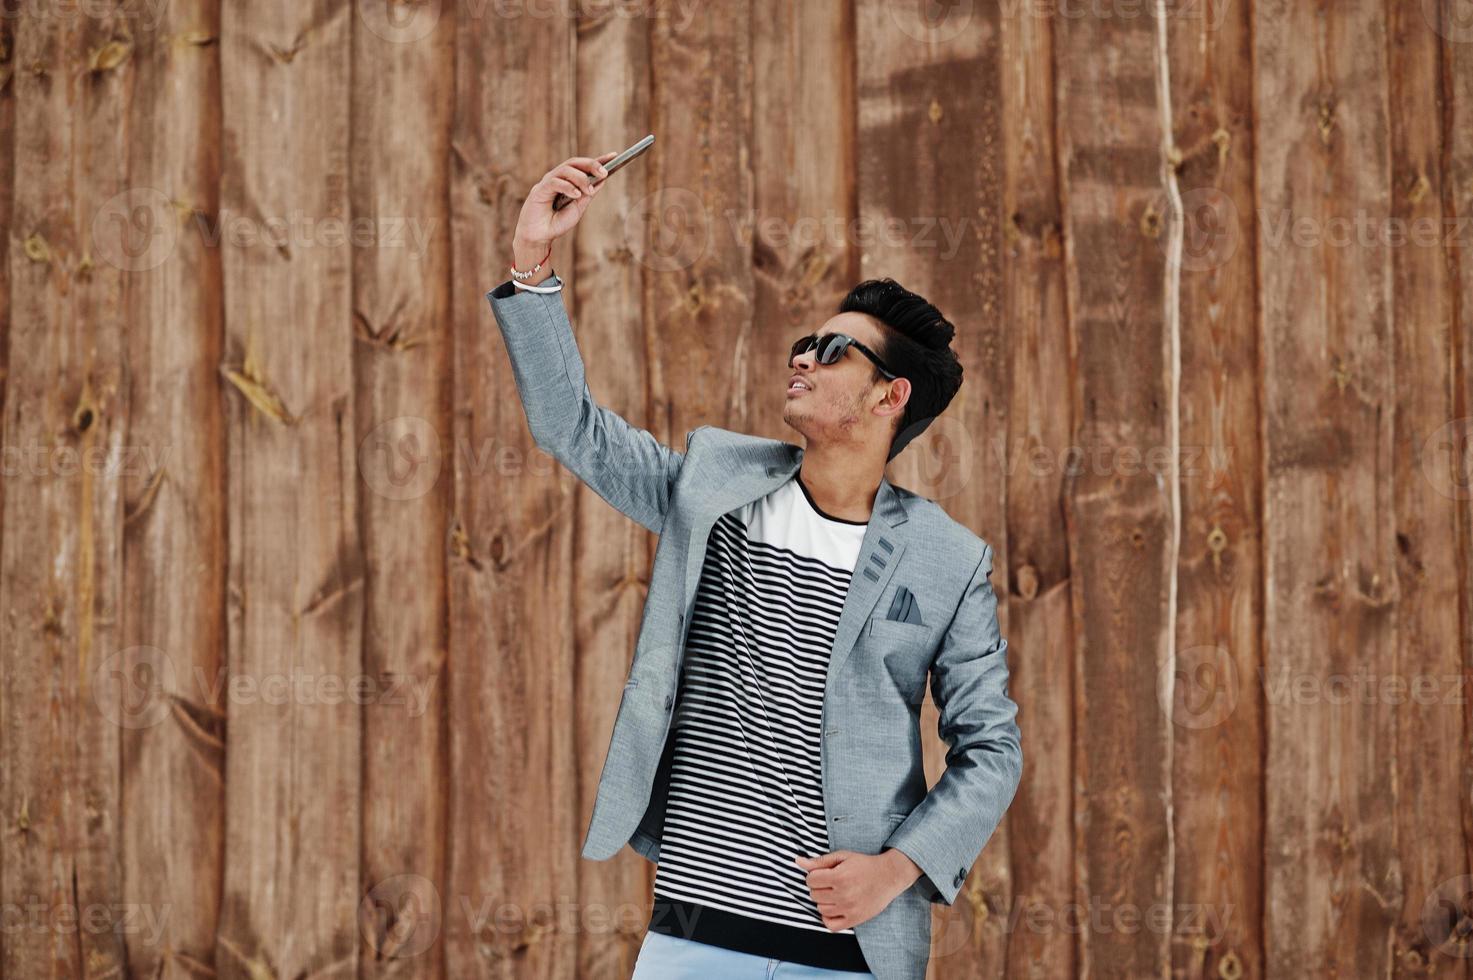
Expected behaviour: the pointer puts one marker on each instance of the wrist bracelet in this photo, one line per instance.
(528, 287)
(532, 271)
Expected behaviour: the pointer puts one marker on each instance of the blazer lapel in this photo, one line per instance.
(879, 552)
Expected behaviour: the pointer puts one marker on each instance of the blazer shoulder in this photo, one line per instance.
(953, 537)
(714, 438)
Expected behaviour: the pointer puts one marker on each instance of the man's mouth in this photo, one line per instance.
(798, 384)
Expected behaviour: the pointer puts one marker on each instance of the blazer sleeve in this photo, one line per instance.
(984, 758)
(624, 464)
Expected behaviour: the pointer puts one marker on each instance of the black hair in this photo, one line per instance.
(917, 346)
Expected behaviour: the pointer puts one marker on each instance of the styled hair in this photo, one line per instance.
(917, 346)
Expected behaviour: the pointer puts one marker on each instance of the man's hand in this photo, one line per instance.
(850, 887)
(538, 225)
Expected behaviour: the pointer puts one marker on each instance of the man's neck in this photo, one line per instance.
(841, 482)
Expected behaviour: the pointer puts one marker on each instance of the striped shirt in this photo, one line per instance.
(746, 787)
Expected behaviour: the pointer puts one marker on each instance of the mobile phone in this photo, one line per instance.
(562, 200)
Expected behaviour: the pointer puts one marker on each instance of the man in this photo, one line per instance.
(766, 753)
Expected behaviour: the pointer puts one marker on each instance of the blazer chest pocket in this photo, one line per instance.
(904, 652)
(894, 629)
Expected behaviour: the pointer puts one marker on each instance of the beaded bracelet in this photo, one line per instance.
(532, 271)
(529, 288)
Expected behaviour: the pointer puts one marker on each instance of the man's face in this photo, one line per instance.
(842, 402)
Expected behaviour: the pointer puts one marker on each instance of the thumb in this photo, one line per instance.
(822, 861)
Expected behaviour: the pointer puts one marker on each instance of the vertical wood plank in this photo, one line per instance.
(1035, 451)
(173, 623)
(512, 659)
(1119, 488)
(1216, 714)
(701, 282)
(9, 14)
(295, 573)
(60, 564)
(930, 187)
(1427, 820)
(611, 579)
(804, 259)
(402, 100)
(1454, 445)
(1330, 564)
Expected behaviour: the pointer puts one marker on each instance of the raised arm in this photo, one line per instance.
(624, 464)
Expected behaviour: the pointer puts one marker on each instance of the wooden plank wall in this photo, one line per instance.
(316, 677)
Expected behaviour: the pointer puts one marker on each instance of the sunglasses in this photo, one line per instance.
(831, 347)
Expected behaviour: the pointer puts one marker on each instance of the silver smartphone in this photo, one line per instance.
(562, 200)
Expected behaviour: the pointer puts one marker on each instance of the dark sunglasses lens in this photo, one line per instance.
(832, 348)
(800, 346)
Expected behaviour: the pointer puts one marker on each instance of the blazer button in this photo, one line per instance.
(669, 700)
(961, 876)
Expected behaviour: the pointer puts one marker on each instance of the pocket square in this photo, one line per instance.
(903, 607)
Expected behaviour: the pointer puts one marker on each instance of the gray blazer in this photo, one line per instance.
(920, 603)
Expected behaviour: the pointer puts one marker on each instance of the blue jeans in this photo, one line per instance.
(663, 957)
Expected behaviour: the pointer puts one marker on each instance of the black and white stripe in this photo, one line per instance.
(745, 794)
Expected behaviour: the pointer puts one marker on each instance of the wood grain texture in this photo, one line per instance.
(174, 745)
(929, 192)
(514, 826)
(1119, 492)
(61, 563)
(293, 787)
(400, 126)
(1444, 918)
(1430, 849)
(804, 195)
(1221, 453)
(1217, 723)
(1331, 583)
(1036, 448)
